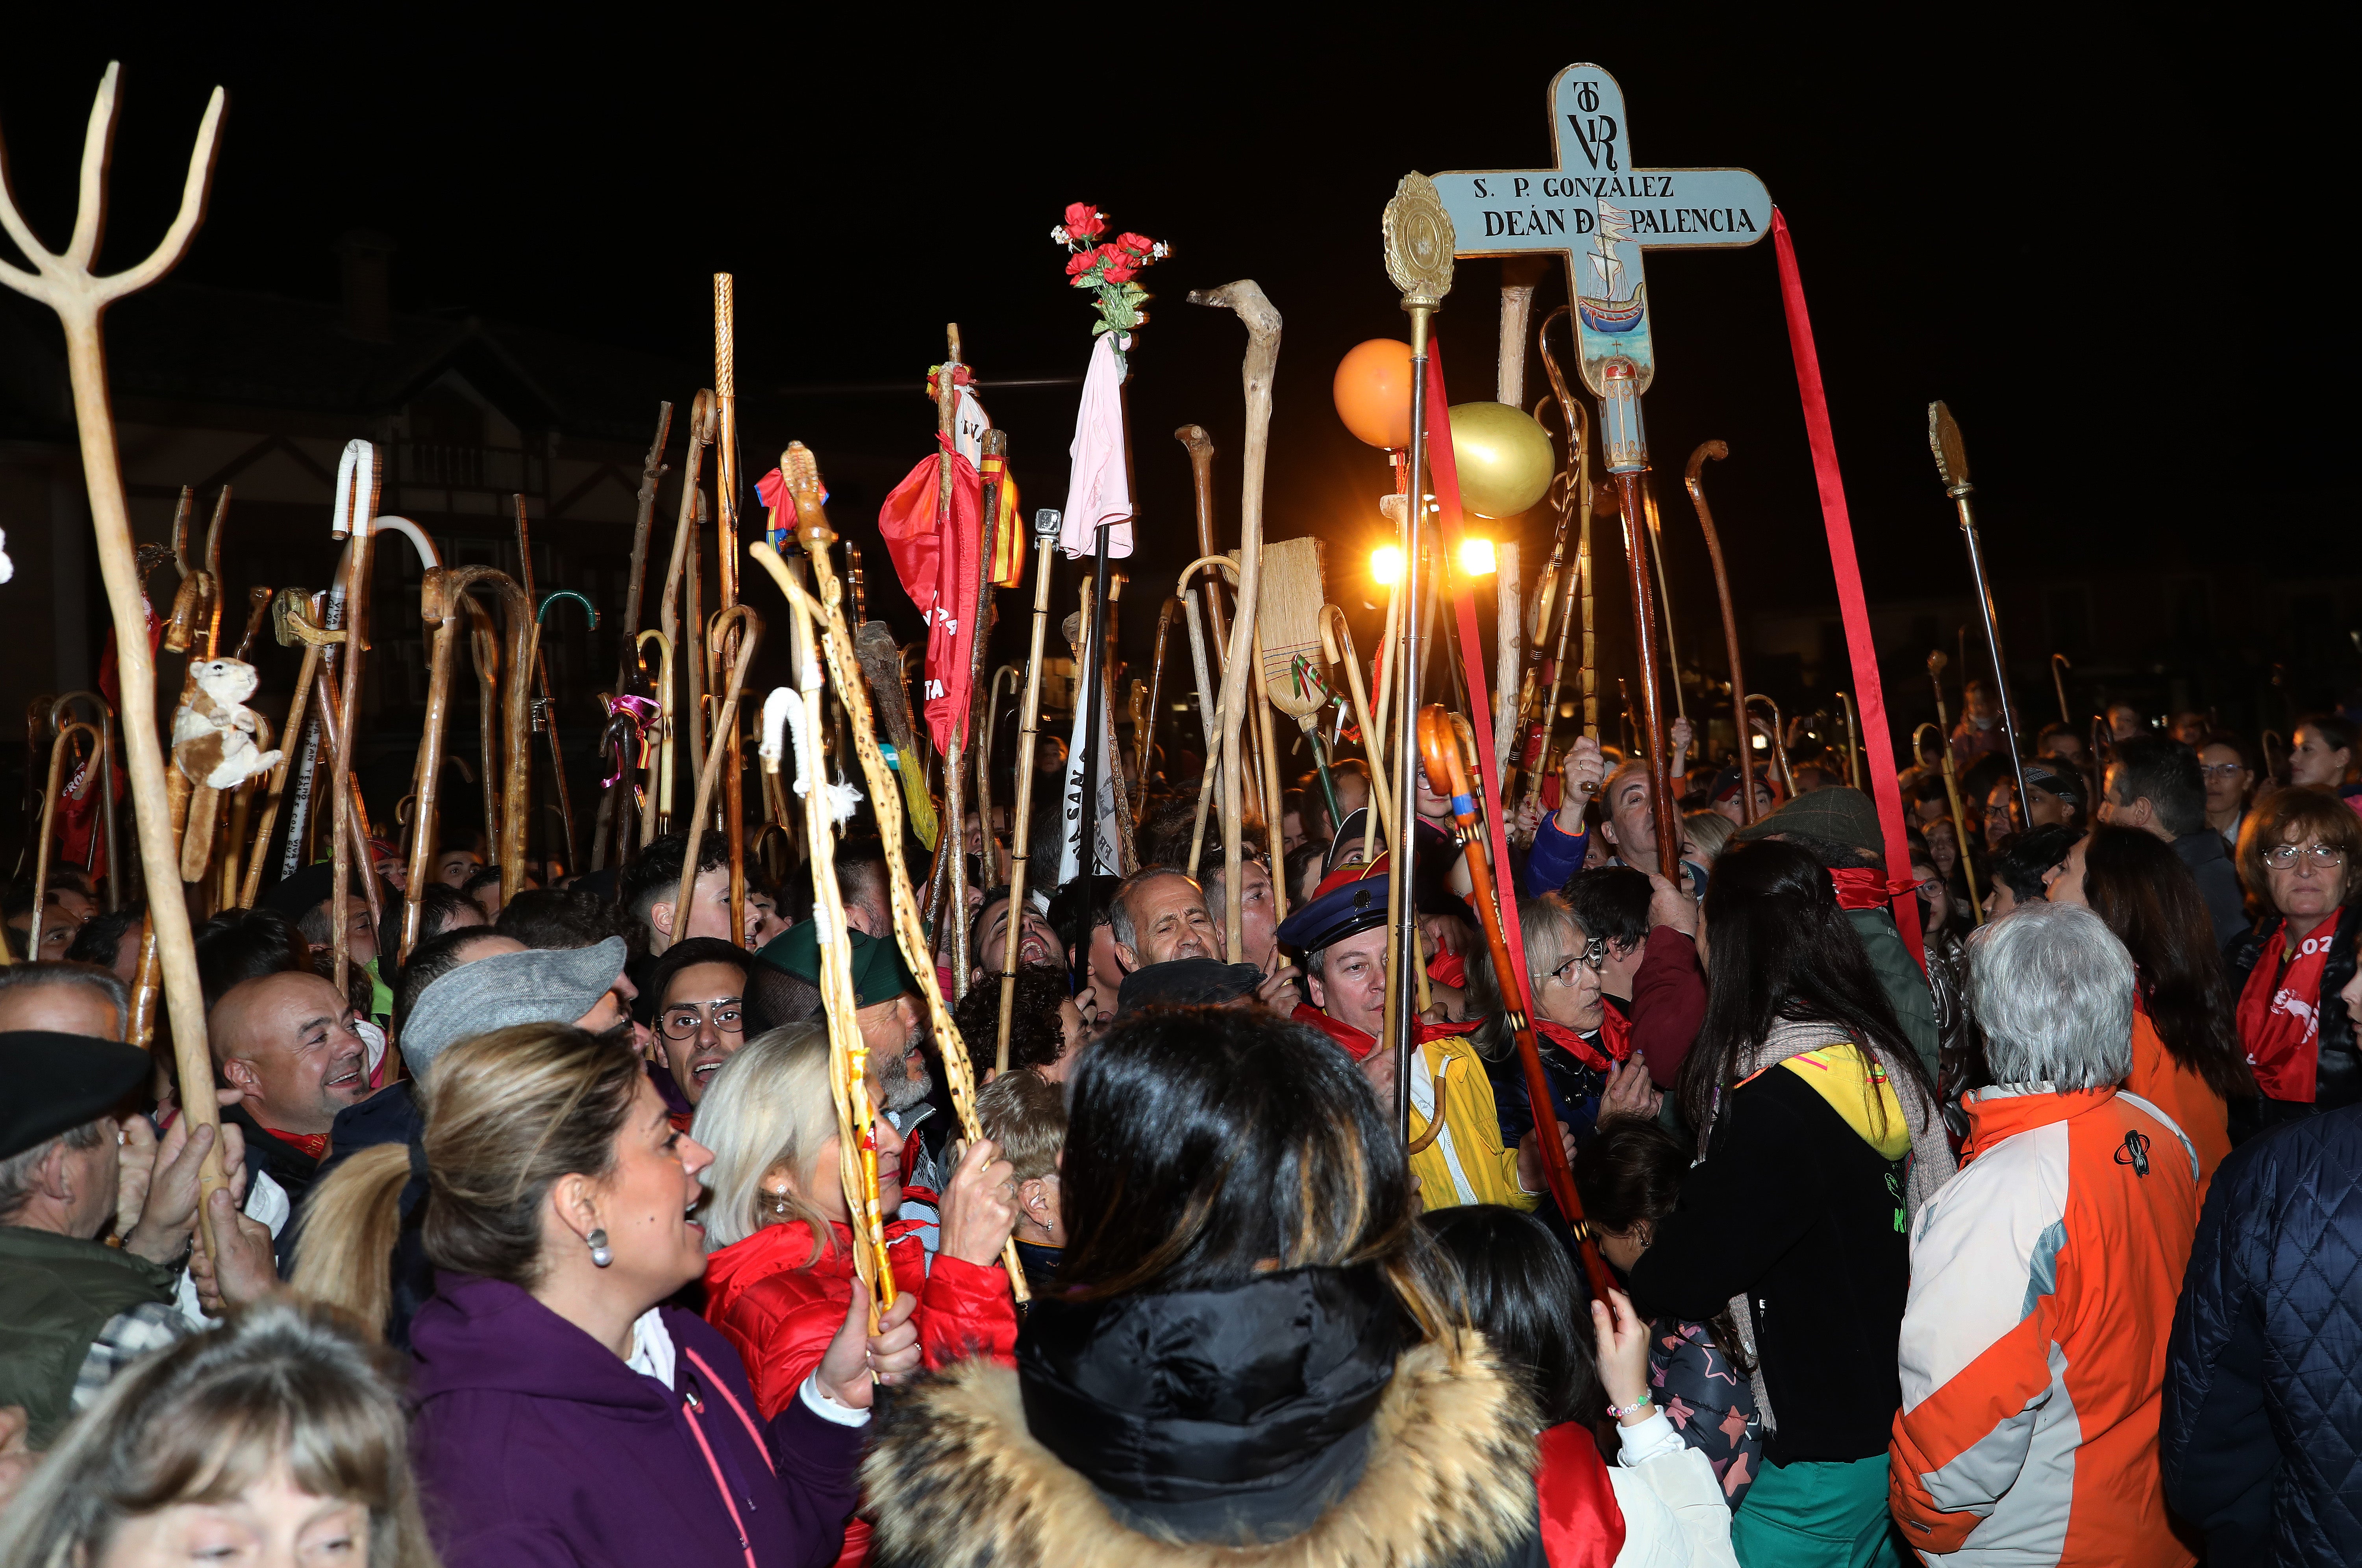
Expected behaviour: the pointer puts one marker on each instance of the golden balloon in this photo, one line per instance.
(1506, 458)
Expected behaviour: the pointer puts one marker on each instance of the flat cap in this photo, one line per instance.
(541, 985)
(1840, 814)
(53, 1083)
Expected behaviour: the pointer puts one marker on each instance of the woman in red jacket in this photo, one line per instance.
(779, 1268)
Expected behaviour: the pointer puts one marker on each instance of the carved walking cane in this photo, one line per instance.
(48, 818)
(357, 493)
(64, 281)
(644, 514)
(668, 604)
(1263, 325)
(105, 713)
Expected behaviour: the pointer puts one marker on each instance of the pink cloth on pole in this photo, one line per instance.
(1100, 486)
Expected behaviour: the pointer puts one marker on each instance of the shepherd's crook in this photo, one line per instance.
(64, 281)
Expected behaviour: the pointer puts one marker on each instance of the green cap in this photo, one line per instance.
(1838, 814)
(878, 972)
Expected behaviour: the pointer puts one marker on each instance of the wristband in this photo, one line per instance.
(1634, 1408)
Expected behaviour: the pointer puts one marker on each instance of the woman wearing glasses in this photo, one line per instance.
(2297, 857)
(2229, 776)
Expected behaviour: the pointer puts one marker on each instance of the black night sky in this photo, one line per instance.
(2100, 244)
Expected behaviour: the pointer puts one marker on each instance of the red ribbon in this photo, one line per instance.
(1850, 603)
(1444, 470)
(1868, 887)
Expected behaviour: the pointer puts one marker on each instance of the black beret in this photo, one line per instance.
(53, 1083)
(1185, 982)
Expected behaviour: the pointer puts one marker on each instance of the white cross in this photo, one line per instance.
(1603, 216)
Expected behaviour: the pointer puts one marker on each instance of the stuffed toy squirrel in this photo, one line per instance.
(214, 746)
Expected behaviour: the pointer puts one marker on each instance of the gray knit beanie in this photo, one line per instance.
(539, 986)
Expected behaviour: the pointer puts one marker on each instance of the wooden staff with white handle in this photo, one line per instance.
(63, 281)
(802, 474)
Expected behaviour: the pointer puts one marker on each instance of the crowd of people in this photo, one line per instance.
(2031, 1241)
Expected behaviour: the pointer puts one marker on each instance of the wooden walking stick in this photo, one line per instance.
(745, 629)
(652, 473)
(702, 423)
(802, 476)
(1952, 786)
(1263, 325)
(484, 659)
(64, 281)
(289, 610)
(880, 662)
(952, 847)
(1693, 480)
(1337, 645)
(103, 713)
(1020, 834)
(1144, 732)
(543, 710)
(58, 750)
(1853, 743)
(357, 493)
(2060, 661)
(1779, 746)
(442, 604)
(725, 565)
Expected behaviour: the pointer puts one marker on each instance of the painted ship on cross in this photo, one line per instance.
(1606, 312)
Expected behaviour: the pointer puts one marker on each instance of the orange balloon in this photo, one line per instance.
(1373, 393)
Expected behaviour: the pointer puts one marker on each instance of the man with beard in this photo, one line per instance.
(1037, 943)
(887, 1010)
(287, 1044)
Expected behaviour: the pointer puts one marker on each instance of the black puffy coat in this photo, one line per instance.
(2340, 1079)
(2261, 1439)
(1279, 1418)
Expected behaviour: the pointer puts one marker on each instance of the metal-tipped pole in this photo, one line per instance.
(1952, 464)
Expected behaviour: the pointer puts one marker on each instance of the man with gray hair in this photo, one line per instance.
(2044, 1275)
(1159, 914)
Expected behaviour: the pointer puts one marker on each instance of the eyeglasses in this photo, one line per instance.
(1932, 885)
(682, 1022)
(2212, 771)
(2281, 856)
(1593, 958)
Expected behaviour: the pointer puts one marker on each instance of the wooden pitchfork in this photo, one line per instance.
(63, 281)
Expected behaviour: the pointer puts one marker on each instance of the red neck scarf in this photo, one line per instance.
(1358, 1044)
(2280, 1015)
(1614, 1045)
(315, 1144)
(1866, 887)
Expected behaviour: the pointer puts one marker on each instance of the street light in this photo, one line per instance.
(1387, 565)
(1476, 557)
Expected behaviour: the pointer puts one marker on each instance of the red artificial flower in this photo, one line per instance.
(1140, 245)
(1083, 220)
(1079, 264)
(1122, 266)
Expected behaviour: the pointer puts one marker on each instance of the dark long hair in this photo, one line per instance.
(1630, 1172)
(1521, 1293)
(1779, 949)
(2137, 883)
(1204, 1143)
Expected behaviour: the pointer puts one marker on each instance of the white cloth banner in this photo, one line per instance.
(1110, 830)
(1099, 490)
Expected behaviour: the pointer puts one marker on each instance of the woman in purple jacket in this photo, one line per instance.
(564, 1415)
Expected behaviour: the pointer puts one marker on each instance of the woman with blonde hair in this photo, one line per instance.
(275, 1437)
(564, 1413)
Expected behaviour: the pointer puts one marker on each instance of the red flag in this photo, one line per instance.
(938, 568)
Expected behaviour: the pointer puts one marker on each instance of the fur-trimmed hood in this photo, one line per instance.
(958, 1480)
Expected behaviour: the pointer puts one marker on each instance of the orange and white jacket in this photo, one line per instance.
(2042, 1282)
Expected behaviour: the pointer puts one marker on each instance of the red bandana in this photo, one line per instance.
(1359, 1043)
(1615, 1041)
(2280, 1015)
(1866, 887)
(315, 1144)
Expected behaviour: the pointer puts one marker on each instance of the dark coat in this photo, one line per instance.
(2218, 881)
(2339, 1081)
(1791, 1208)
(283, 1163)
(2261, 1439)
(1145, 1429)
(537, 1445)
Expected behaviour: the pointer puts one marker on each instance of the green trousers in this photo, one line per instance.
(1828, 1515)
